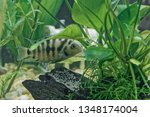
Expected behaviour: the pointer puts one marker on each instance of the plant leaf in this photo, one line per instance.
(94, 10)
(53, 7)
(135, 61)
(100, 53)
(126, 19)
(144, 11)
(5, 41)
(5, 81)
(18, 27)
(72, 32)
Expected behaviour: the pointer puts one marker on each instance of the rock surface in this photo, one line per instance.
(57, 84)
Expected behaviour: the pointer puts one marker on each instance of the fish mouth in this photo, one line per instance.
(81, 47)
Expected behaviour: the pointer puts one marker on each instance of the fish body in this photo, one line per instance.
(53, 50)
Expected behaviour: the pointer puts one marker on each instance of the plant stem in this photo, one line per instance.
(34, 23)
(1, 59)
(143, 53)
(13, 77)
(51, 15)
(143, 78)
(134, 80)
(136, 20)
(128, 10)
(109, 40)
(122, 35)
(24, 14)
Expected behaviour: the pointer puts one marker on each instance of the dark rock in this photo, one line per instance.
(58, 84)
(43, 91)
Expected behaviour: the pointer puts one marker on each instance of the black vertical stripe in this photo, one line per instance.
(61, 40)
(28, 52)
(65, 52)
(62, 45)
(70, 41)
(43, 50)
(38, 53)
(47, 42)
(53, 47)
(43, 47)
(39, 50)
(48, 47)
(34, 53)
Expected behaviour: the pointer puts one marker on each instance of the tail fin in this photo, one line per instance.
(22, 53)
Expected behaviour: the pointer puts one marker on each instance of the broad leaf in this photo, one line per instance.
(83, 10)
(126, 19)
(100, 53)
(53, 7)
(134, 47)
(71, 32)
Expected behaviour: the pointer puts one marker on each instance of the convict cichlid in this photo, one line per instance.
(52, 51)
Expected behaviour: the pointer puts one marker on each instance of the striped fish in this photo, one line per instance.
(52, 50)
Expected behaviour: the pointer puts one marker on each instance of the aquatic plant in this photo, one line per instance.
(25, 22)
(122, 52)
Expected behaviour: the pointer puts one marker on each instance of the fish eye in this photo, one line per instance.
(73, 46)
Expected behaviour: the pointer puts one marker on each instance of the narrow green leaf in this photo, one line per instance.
(144, 11)
(5, 82)
(134, 61)
(5, 41)
(146, 67)
(3, 4)
(17, 30)
(146, 34)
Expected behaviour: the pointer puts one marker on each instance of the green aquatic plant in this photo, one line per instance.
(122, 55)
(7, 80)
(2, 14)
(2, 19)
(122, 52)
(24, 23)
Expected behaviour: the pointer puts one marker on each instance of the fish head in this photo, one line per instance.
(74, 48)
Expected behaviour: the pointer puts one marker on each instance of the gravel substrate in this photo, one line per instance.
(17, 90)
(27, 72)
